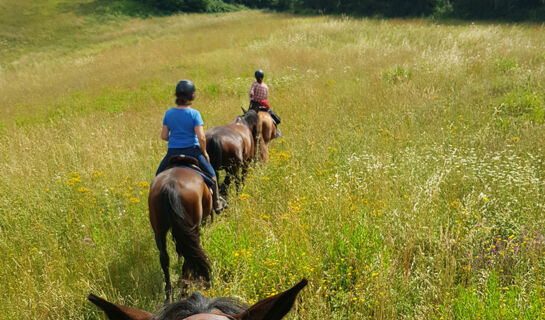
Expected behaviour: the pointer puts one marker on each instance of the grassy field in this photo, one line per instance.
(409, 183)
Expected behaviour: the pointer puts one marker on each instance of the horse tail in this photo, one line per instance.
(185, 235)
(252, 117)
(257, 133)
(215, 151)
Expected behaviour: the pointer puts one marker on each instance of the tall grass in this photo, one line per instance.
(408, 184)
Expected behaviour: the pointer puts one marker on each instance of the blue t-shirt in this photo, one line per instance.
(182, 123)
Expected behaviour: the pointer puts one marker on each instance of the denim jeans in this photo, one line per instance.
(194, 152)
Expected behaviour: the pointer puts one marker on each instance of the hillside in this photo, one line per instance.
(408, 183)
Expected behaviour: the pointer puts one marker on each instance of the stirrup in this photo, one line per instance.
(278, 133)
(223, 205)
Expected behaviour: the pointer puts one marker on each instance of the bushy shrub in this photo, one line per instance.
(488, 9)
(470, 9)
(180, 5)
(394, 8)
(220, 6)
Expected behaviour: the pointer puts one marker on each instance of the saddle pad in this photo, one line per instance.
(209, 182)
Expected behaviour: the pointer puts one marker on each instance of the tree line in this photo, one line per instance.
(466, 9)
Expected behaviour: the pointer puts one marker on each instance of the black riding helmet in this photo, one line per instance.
(186, 89)
(259, 75)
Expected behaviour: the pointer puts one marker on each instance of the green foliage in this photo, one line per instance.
(482, 9)
(398, 74)
(180, 5)
(522, 104)
(212, 89)
(500, 302)
(352, 7)
(494, 9)
(221, 6)
(505, 65)
(108, 10)
(193, 5)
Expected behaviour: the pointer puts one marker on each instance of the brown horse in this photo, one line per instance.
(197, 307)
(266, 132)
(233, 147)
(179, 200)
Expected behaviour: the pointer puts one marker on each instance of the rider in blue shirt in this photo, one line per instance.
(184, 131)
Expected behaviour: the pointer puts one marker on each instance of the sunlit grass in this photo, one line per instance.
(408, 183)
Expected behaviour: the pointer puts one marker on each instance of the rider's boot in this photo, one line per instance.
(218, 203)
(278, 133)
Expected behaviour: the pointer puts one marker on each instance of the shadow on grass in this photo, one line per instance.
(136, 273)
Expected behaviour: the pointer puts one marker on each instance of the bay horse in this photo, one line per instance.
(198, 307)
(232, 147)
(179, 200)
(266, 132)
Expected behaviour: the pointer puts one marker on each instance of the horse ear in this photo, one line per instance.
(243, 110)
(117, 312)
(275, 307)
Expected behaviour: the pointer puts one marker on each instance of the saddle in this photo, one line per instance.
(183, 160)
(257, 107)
(190, 163)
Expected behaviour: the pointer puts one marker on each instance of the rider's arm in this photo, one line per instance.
(165, 133)
(252, 91)
(199, 131)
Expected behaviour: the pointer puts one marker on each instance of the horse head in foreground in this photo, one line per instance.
(179, 200)
(232, 147)
(198, 307)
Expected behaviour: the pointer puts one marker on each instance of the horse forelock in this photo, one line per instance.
(198, 304)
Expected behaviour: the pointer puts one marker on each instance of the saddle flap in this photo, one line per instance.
(190, 163)
(182, 160)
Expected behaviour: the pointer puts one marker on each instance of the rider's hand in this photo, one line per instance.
(207, 157)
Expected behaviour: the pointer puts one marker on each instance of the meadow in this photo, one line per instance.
(409, 183)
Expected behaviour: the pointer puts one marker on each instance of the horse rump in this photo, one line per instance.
(185, 235)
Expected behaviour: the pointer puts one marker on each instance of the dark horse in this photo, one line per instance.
(179, 200)
(233, 147)
(197, 307)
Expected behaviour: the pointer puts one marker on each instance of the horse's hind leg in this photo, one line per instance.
(242, 178)
(226, 181)
(185, 279)
(233, 171)
(263, 151)
(160, 240)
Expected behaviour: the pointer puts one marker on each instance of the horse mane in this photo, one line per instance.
(197, 303)
(249, 118)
